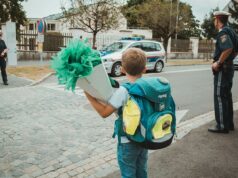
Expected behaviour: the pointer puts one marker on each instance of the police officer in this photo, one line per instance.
(223, 71)
(3, 52)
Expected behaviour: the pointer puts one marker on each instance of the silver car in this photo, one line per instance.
(112, 54)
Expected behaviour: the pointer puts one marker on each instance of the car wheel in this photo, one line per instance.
(159, 65)
(116, 70)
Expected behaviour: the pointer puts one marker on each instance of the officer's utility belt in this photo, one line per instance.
(228, 62)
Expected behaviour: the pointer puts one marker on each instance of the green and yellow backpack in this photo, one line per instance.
(148, 117)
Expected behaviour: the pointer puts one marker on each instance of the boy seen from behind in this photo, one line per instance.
(132, 158)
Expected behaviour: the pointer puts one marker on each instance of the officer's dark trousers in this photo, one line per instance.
(223, 97)
(3, 65)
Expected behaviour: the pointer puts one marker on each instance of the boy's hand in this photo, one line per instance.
(103, 109)
(90, 97)
(87, 94)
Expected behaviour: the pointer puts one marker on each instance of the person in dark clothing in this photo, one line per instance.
(3, 63)
(223, 71)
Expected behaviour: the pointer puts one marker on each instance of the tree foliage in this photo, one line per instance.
(193, 30)
(93, 17)
(130, 12)
(12, 10)
(208, 27)
(134, 2)
(233, 9)
(161, 16)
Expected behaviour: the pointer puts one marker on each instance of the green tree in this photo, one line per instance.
(162, 18)
(233, 9)
(12, 10)
(134, 2)
(93, 17)
(208, 27)
(193, 30)
(129, 11)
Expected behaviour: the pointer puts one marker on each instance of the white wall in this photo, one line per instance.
(108, 37)
(9, 36)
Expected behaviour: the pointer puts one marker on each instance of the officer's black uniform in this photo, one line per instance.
(223, 81)
(3, 62)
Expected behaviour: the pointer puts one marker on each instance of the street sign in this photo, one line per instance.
(41, 26)
(40, 38)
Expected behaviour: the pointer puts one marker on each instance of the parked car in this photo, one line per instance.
(235, 61)
(112, 54)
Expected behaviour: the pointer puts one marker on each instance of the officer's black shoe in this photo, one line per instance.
(5, 83)
(232, 128)
(215, 129)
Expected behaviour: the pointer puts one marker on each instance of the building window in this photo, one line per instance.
(51, 27)
(31, 26)
(32, 43)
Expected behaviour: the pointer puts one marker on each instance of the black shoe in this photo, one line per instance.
(5, 83)
(217, 130)
(232, 128)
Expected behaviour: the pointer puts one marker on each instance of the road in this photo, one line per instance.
(192, 87)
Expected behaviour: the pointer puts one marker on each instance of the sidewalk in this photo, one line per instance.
(14, 81)
(199, 154)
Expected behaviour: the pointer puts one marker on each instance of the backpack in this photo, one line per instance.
(148, 117)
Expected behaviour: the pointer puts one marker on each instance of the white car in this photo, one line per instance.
(235, 61)
(112, 54)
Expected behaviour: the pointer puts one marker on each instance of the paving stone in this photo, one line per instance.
(31, 169)
(48, 169)
(73, 173)
(66, 163)
(16, 162)
(25, 176)
(63, 175)
(15, 172)
(37, 173)
(79, 170)
(57, 166)
(51, 131)
(52, 174)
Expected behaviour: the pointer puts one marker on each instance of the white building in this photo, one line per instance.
(57, 23)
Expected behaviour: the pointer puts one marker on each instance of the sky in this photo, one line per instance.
(43, 8)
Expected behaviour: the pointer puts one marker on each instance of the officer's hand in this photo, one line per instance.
(215, 66)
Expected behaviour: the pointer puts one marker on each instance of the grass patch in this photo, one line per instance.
(30, 72)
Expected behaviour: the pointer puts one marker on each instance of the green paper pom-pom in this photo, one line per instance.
(73, 62)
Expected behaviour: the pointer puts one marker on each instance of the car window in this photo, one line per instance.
(136, 45)
(149, 47)
(158, 47)
(115, 47)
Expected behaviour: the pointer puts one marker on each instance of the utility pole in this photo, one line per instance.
(177, 19)
(170, 19)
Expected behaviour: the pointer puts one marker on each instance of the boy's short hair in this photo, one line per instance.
(134, 61)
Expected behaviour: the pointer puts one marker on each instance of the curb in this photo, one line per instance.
(42, 79)
(27, 79)
(185, 127)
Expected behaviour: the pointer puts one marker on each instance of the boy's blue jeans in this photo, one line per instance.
(132, 160)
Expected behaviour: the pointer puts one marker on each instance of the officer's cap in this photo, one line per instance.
(221, 13)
